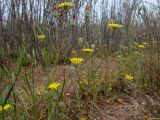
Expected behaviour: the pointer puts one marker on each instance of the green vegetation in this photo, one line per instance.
(56, 66)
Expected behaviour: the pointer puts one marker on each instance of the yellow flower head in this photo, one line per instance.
(114, 26)
(41, 37)
(76, 60)
(65, 5)
(88, 50)
(54, 85)
(6, 107)
(128, 77)
(141, 46)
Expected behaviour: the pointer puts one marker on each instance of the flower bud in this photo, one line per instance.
(80, 41)
(93, 46)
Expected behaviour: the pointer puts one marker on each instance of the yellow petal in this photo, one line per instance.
(76, 60)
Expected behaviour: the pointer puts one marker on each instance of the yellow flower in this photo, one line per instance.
(75, 60)
(65, 5)
(128, 77)
(114, 26)
(6, 107)
(54, 85)
(87, 50)
(41, 37)
(141, 46)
